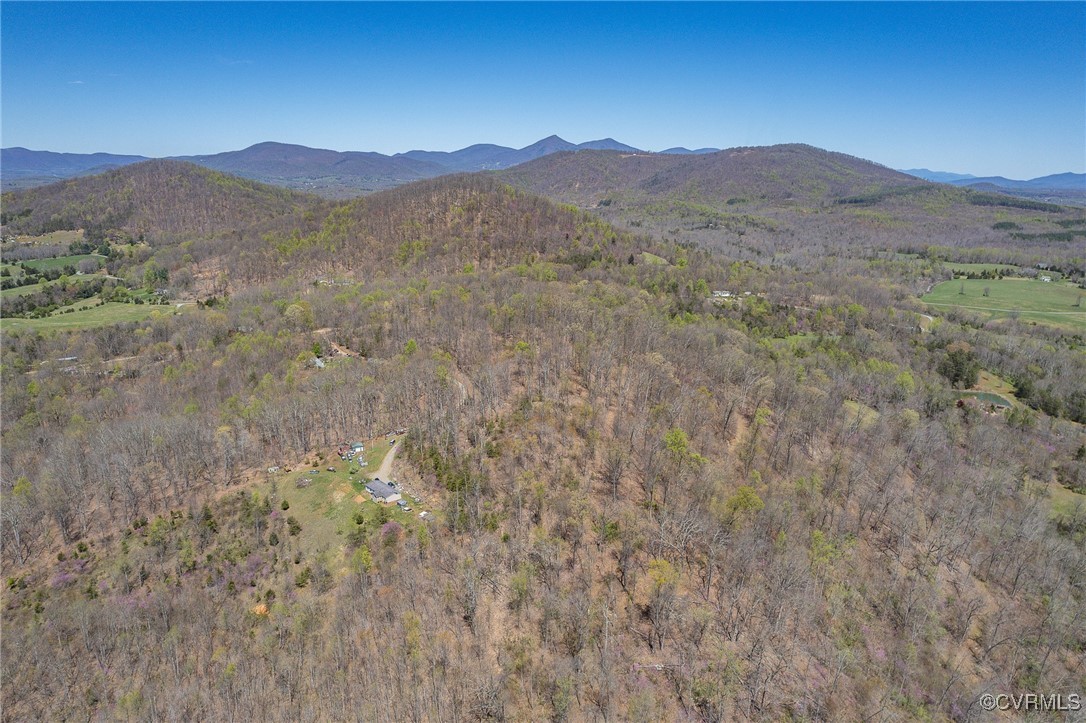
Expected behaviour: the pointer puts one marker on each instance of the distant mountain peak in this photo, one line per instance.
(937, 176)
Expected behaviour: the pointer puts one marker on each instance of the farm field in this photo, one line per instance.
(86, 318)
(24, 290)
(62, 261)
(1050, 303)
(43, 285)
(54, 237)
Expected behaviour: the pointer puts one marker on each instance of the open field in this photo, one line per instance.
(55, 237)
(24, 290)
(42, 285)
(1050, 303)
(653, 259)
(86, 318)
(62, 261)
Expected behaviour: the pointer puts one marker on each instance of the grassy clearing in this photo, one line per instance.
(55, 237)
(86, 318)
(1050, 303)
(61, 261)
(24, 290)
(1065, 504)
(327, 507)
(653, 259)
(42, 285)
(988, 382)
(992, 389)
(13, 270)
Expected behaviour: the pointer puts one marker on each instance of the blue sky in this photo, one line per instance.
(983, 88)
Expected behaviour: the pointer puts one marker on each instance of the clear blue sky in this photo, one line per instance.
(974, 87)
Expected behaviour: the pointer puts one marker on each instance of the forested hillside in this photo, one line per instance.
(662, 481)
(168, 199)
(793, 204)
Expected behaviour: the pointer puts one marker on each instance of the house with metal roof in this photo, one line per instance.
(382, 491)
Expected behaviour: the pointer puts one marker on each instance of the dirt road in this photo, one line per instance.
(385, 470)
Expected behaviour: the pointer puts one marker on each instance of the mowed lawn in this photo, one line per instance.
(1032, 300)
(104, 315)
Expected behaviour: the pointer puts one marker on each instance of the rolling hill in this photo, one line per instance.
(333, 174)
(787, 201)
(154, 198)
(24, 168)
(783, 173)
(1066, 188)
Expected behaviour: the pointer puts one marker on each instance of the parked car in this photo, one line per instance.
(331, 469)
(313, 472)
(401, 503)
(407, 508)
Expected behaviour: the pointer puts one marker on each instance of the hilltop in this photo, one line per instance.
(783, 173)
(784, 201)
(333, 173)
(152, 198)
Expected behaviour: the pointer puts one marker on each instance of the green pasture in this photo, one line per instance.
(83, 317)
(1052, 303)
(61, 261)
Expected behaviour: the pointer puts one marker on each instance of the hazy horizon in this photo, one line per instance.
(980, 88)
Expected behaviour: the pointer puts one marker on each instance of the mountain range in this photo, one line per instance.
(345, 174)
(757, 196)
(334, 174)
(1056, 188)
